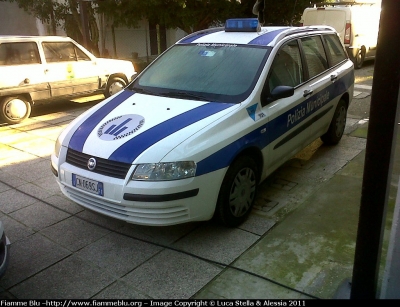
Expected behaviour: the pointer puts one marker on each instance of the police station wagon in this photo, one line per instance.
(196, 132)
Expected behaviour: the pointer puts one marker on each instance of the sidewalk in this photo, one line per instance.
(298, 242)
(310, 252)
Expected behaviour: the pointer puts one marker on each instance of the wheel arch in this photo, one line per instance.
(254, 153)
(346, 97)
(118, 75)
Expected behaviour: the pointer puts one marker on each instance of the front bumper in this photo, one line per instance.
(144, 203)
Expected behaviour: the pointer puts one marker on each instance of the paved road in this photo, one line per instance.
(60, 250)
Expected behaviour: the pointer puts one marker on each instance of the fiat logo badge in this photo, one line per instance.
(91, 164)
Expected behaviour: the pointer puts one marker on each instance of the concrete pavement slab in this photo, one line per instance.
(216, 243)
(172, 275)
(310, 250)
(74, 233)
(38, 216)
(71, 278)
(121, 290)
(118, 254)
(31, 255)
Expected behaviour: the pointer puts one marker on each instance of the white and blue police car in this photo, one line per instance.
(196, 132)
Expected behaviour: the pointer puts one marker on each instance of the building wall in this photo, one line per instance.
(135, 40)
(15, 21)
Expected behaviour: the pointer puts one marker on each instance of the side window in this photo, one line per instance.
(334, 49)
(315, 55)
(19, 53)
(62, 52)
(81, 55)
(286, 68)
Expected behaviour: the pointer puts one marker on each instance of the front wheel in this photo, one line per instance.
(14, 110)
(337, 126)
(238, 192)
(114, 85)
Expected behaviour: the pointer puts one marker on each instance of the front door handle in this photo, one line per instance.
(333, 78)
(307, 93)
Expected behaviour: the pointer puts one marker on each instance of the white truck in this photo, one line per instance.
(357, 24)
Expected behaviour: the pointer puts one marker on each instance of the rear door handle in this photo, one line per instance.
(307, 93)
(333, 78)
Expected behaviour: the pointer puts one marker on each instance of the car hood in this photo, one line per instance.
(135, 128)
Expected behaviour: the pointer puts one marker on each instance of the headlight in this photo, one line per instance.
(57, 147)
(165, 171)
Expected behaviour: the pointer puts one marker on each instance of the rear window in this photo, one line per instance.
(334, 49)
(19, 53)
(315, 55)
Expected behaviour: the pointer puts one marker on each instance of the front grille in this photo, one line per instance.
(103, 166)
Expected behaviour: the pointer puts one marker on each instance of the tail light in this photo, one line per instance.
(347, 33)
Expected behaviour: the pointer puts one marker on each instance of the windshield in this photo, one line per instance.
(211, 72)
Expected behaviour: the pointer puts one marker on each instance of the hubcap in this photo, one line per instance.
(341, 121)
(116, 87)
(16, 109)
(242, 192)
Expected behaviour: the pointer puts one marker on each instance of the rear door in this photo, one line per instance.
(332, 69)
(320, 94)
(21, 66)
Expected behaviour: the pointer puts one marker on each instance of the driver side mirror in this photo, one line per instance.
(281, 91)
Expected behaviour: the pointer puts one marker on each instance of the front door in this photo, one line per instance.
(69, 70)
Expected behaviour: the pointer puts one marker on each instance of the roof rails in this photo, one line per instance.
(322, 4)
(296, 30)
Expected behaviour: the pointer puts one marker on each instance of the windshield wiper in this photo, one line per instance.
(184, 95)
(142, 91)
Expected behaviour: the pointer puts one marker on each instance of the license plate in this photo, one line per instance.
(88, 185)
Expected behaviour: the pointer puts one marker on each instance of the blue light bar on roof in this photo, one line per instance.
(242, 25)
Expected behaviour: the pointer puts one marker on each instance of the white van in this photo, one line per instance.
(356, 23)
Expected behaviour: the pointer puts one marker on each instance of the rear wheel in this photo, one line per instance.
(238, 192)
(114, 85)
(14, 110)
(359, 58)
(337, 126)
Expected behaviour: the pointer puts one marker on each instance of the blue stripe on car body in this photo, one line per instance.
(266, 38)
(275, 129)
(130, 150)
(79, 137)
